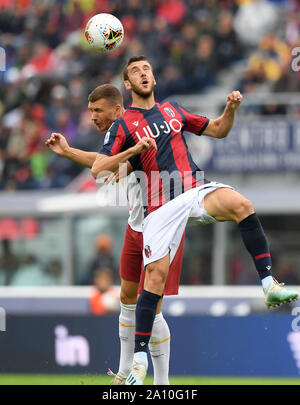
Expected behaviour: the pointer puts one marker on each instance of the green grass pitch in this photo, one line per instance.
(28, 379)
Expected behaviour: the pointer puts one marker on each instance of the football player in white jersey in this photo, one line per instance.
(106, 105)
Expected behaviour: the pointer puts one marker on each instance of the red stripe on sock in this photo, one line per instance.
(143, 333)
(262, 256)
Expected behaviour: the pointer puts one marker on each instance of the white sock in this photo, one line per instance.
(141, 358)
(159, 347)
(267, 282)
(126, 335)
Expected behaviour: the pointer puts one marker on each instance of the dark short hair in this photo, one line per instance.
(130, 61)
(108, 92)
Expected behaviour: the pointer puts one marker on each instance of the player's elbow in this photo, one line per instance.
(218, 134)
(100, 170)
(98, 166)
(222, 134)
(216, 129)
(220, 131)
(96, 170)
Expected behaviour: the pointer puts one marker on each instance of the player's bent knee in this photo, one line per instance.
(243, 210)
(128, 299)
(156, 276)
(128, 293)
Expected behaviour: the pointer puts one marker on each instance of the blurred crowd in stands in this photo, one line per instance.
(49, 69)
(27, 269)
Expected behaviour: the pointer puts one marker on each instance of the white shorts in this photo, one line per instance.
(163, 228)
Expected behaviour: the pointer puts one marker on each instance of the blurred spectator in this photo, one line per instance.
(228, 46)
(64, 124)
(251, 78)
(273, 109)
(201, 274)
(292, 20)
(178, 8)
(286, 272)
(53, 272)
(254, 19)
(9, 262)
(105, 298)
(103, 258)
(42, 60)
(2, 277)
(274, 52)
(289, 81)
(87, 137)
(241, 273)
(267, 64)
(204, 63)
(30, 273)
(50, 69)
(171, 81)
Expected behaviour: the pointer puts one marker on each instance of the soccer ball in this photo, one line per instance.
(104, 32)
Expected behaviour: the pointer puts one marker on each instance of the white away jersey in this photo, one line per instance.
(134, 196)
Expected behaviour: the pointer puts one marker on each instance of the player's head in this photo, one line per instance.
(105, 105)
(138, 76)
(103, 279)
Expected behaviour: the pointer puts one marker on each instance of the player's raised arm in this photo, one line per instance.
(59, 145)
(104, 163)
(220, 127)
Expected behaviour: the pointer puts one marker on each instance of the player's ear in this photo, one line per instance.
(154, 81)
(127, 85)
(118, 109)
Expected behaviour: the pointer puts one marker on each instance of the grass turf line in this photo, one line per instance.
(28, 379)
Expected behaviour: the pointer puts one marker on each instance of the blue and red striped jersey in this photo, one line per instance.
(168, 171)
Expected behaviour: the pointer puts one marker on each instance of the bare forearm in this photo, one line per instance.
(220, 127)
(225, 122)
(105, 163)
(81, 157)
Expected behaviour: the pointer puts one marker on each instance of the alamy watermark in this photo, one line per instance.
(296, 60)
(2, 59)
(153, 191)
(296, 322)
(2, 320)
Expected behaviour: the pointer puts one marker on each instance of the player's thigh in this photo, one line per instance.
(131, 255)
(129, 292)
(226, 204)
(173, 279)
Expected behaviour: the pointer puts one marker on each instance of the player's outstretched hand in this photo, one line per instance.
(57, 143)
(144, 145)
(234, 100)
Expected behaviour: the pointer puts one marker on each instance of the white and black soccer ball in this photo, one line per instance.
(104, 32)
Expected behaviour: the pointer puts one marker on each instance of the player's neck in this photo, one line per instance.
(141, 102)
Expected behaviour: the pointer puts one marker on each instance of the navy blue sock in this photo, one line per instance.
(257, 245)
(144, 315)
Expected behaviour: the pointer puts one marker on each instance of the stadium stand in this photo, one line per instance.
(201, 50)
